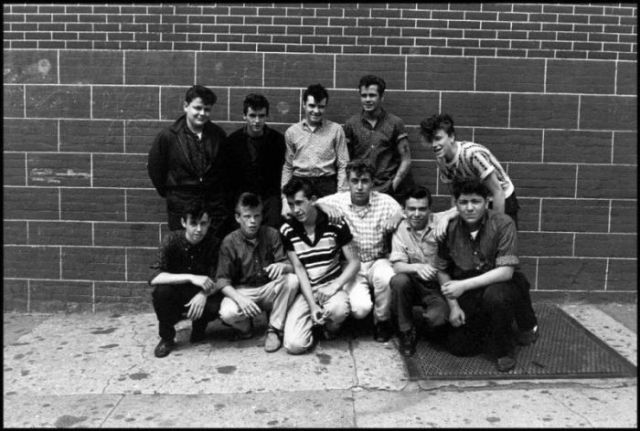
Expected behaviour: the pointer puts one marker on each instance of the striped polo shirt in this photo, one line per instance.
(473, 161)
(320, 257)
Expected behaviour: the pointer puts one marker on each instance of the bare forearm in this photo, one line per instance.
(349, 272)
(171, 278)
(404, 268)
(496, 275)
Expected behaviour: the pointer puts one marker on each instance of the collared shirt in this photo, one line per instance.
(320, 257)
(195, 147)
(411, 246)
(241, 261)
(378, 143)
(176, 255)
(495, 244)
(315, 153)
(366, 222)
(473, 161)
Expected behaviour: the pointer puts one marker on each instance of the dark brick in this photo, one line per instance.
(495, 25)
(172, 103)
(375, 50)
(30, 67)
(525, 44)
(571, 54)
(479, 52)
(298, 70)
(538, 180)
(230, 69)
(494, 43)
(520, 75)
(15, 295)
(14, 169)
(609, 182)
(125, 103)
(139, 261)
(91, 67)
(30, 203)
(13, 100)
(284, 105)
(624, 216)
(625, 147)
(14, 232)
(425, 174)
(93, 263)
(139, 135)
(571, 146)
(602, 37)
(627, 78)
(92, 204)
(622, 275)
(120, 170)
(528, 214)
(159, 68)
(570, 215)
(126, 234)
(18, 261)
(145, 206)
(609, 112)
(92, 135)
(548, 111)
(60, 233)
(571, 274)
(68, 296)
(519, 145)
(67, 170)
(580, 76)
(473, 109)
(114, 296)
(540, 243)
(357, 31)
(440, 73)
(607, 245)
(58, 101)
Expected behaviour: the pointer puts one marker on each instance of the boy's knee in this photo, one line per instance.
(291, 282)
(360, 310)
(162, 292)
(297, 347)
(400, 282)
(435, 317)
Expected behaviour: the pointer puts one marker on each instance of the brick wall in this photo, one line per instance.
(549, 88)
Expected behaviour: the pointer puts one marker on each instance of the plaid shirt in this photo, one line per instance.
(367, 222)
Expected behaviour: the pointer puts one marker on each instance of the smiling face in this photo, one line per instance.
(249, 220)
(302, 207)
(472, 207)
(370, 99)
(314, 110)
(256, 120)
(198, 114)
(417, 212)
(196, 230)
(443, 145)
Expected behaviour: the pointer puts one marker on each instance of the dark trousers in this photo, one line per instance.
(220, 217)
(169, 304)
(408, 290)
(326, 185)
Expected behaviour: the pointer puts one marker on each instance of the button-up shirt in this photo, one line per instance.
(176, 255)
(366, 222)
(197, 155)
(315, 152)
(242, 260)
(462, 256)
(411, 246)
(377, 143)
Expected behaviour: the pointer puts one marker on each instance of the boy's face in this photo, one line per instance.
(370, 98)
(301, 206)
(314, 110)
(196, 230)
(360, 187)
(249, 220)
(198, 113)
(256, 120)
(442, 144)
(417, 212)
(471, 207)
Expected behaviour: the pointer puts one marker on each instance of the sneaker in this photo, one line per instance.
(273, 341)
(506, 363)
(524, 338)
(382, 331)
(407, 342)
(163, 348)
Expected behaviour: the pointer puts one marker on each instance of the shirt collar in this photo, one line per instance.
(305, 124)
(427, 229)
(378, 117)
(456, 155)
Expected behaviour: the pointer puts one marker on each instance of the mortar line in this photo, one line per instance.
(615, 77)
(59, 123)
(28, 296)
(579, 107)
(540, 216)
(475, 73)
(58, 65)
(24, 101)
(544, 86)
(26, 170)
(613, 144)
(542, 150)
(575, 196)
(606, 275)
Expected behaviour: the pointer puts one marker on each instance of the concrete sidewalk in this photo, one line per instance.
(98, 370)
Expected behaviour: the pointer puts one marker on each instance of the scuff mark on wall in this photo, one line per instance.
(50, 176)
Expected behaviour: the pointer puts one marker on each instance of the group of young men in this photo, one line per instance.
(326, 222)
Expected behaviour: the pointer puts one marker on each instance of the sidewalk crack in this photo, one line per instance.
(111, 411)
(572, 410)
(356, 382)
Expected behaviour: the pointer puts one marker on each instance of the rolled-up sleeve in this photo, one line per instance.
(507, 253)
(224, 272)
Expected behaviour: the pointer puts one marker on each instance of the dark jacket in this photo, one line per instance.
(264, 178)
(170, 168)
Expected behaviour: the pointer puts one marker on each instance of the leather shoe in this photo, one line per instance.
(506, 363)
(382, 331)
(524, 338)
(407, 342)
(163, 348)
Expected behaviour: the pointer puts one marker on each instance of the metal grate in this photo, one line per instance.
(565, 349)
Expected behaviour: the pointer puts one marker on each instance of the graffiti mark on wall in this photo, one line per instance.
(50, 176)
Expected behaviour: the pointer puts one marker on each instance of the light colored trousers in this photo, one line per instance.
(275, 296)
(376, 273)
(297, 328)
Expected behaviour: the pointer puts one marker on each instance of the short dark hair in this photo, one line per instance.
(196, 208)
(256, 102)
(418, 192)
(469, 186)
(368, 80)
(436, 122)
(317, 91)
(207, 96)
(360, 166)
(297, 184)
(248, 200)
